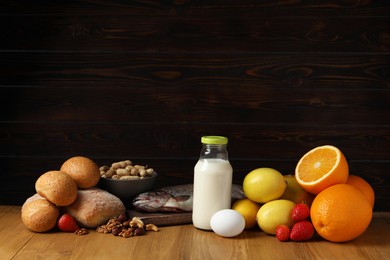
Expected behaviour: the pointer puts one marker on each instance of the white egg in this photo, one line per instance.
(227, 223)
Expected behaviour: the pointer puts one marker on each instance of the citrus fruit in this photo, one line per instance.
(295, 192)
(83, 170)
(248, 209)
(275, 213)
(263, 184)
(340, 213)
(363, 186)
(321, 168)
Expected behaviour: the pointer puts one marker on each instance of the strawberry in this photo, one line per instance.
(300, 212)
(282, 233)
(66, 223)
(302, 231)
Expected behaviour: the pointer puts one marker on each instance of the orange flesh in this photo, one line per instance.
(317, 164)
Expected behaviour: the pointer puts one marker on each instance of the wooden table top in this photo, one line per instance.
(183, 242)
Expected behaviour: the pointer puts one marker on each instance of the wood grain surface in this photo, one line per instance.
(144, 80)
(183, 242)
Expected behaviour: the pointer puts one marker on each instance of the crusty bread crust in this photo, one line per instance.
(39, 215)
(57, 187)
(94, 207)
(83, 170)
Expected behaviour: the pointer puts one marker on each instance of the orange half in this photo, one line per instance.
(321, 168)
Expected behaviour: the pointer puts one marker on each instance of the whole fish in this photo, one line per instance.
(176, 198)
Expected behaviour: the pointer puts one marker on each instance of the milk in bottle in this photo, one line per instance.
(213, 176)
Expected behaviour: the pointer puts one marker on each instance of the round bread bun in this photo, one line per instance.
(83, 170)
(39, 215)
(57, 187)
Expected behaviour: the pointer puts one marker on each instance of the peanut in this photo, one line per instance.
(118, 170)
(127, 177)
(123, 172)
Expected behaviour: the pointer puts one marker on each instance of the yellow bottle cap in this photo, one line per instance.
(213, 139)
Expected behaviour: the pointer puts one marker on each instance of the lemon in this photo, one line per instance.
(264, 184)
(248, 209)
(295, 192)
(274, 213)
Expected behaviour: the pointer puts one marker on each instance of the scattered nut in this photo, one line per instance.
(116, 231)
(122, 218)
(139, 232)
(123, 227)
(151, 227)
(81, 231)
(126, 233)
(136, 222)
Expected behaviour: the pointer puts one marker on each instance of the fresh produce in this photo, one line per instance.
(340, 213)
(300, 212)
(322, 196)
(248, 209)
(67, 223)
(295, 192)
(321, 168)
(227, 223)
(362, 185)
(275, 213)
(301, 231)
(282, 233)
(263, 185)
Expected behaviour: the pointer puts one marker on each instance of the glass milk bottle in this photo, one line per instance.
(213, 176)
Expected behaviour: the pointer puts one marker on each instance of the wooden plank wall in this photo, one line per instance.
(144, 80)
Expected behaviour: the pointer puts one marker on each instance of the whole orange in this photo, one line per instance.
(363, 186)
(340, 213)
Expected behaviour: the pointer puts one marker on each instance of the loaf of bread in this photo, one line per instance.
(39, 215)
(57, 187)
(94, 207)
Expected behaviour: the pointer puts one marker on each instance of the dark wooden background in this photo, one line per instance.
(144, 80)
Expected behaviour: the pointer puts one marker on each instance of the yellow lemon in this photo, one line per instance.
(248, 209)
(275, 213)
(264, 184)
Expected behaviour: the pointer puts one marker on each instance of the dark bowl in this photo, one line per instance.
(126, 190)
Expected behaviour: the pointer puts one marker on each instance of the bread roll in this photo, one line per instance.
(36, 196)
(94, 207)
(39, 215)
(57, 187)
(83, 170)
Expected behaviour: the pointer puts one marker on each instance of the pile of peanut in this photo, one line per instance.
(124, 227)
(125, 170)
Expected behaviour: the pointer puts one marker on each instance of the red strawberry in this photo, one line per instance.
(282, 233)
(66, 223)
(302, 230)
(300, 212)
